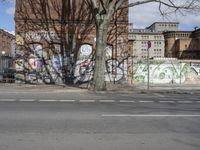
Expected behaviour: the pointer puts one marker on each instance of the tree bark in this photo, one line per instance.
(99, 72)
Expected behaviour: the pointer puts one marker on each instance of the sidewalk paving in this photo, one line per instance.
(159, 88)
(112, 88)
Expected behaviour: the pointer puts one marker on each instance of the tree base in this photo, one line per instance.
(97, 87)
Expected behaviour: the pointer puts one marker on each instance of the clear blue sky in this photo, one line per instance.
(7, 15)
(141, 16)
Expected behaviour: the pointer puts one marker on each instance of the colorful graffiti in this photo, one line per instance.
(84, 69)
(164, 73)
(19, 65)
(35, 63)
(37, 36)
(41, 66)
(57, 62)
(196, 68)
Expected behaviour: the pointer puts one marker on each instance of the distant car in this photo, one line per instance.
(9, 75)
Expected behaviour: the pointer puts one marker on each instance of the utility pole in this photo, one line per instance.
(148, 64)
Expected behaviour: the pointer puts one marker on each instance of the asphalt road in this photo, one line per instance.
(58, 120)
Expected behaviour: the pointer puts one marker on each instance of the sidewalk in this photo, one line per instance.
(39, 88)
(159, 88)
(112, 88)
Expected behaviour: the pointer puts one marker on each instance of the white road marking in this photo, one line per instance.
(185, 102)
(47, 100)
(146, 101)
(102, 101)
(27, 100)
(106, 101)
(176, 99)
(66, 101)
(126, 101)
(87, 101)
(167, 101)
(150, 115)
(159, 95)
(195, 99)
(8, 100)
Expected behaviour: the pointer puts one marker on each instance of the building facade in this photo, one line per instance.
(7, 50)
(53, 35)
(6, 43)
(183, 44)
(164, 26)
(167, 41)
(138, 38)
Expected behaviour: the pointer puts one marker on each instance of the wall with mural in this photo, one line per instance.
(84, 69)
(44, 64)
(41, 64)
(166, 72)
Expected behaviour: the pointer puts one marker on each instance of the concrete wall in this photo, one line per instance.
(167, 72)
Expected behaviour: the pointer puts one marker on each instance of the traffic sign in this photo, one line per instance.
(149, 44)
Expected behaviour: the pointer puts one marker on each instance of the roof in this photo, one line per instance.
(143, 31)
(162, 23)
(177, 32)
(7, 33)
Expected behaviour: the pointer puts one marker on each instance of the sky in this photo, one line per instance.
(141, 16)
(7, 10)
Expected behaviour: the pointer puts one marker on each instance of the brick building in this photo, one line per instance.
(6, 43)
(51, 35)
(7, 50)
(183, 44)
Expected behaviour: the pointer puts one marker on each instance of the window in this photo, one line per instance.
(145, 37)
(186, 45)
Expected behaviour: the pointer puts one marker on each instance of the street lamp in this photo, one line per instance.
(148, 46)
(3, 52)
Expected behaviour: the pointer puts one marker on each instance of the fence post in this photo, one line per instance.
(180, 71)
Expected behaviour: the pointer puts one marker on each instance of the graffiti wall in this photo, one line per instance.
(84, 68)
(166, 72)
(42, 64)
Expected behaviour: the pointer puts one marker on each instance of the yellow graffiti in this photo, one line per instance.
(19, 40)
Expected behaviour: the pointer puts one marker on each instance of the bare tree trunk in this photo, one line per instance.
(99, 72)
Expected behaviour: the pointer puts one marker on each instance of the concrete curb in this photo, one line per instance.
(136, 91)
(125, 90)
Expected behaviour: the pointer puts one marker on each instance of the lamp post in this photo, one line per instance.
(2, 60)
(148, 64)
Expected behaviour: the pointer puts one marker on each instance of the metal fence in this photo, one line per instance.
(6, 71)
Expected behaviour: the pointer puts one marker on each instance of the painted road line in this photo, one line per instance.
(26, 100)
(87, 101)
(150, 115)
(126, 101)
(177, 99)
(106, 101)
(159, 95)
(185, 102)
(194, 99)
(146, 101)
(8, 100)
(167, 101)
(47, 100)
(66, 101)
